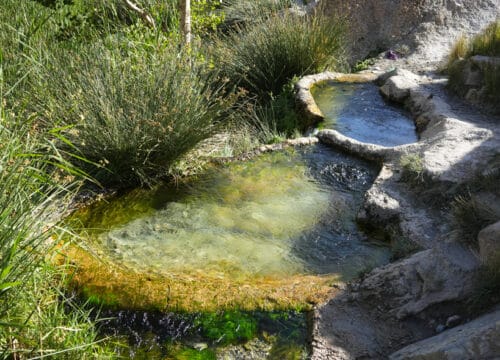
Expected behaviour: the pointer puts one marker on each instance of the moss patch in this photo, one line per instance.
(109, 284)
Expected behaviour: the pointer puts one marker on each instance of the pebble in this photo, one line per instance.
(440, 328)
(453, 321)
(200, 346)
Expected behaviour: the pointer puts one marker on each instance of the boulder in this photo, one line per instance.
(478, 339)
(489, 243)
(397, 88)
(429, 277)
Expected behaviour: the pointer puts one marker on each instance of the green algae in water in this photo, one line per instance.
(278, 215)
(265, 335)
(358, 110)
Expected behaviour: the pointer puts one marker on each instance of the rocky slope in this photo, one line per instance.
(423, 30)
(420, 296)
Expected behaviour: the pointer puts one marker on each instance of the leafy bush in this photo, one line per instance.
(267, 55)
(132, 114)
(276, 119)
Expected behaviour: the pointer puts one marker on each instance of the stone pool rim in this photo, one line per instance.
(309, 109)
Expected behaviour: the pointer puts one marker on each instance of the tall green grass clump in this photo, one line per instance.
(35, 184)
(264, 56)
(132, 113)
(268, 54)
(487, 43)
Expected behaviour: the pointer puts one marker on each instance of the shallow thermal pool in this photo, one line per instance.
(358, 110)
(277, 215)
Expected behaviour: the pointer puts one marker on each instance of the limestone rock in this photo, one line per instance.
(489, 242)
(478, 339)
(427, 278)
(374, 315)
(423, 30)
(397, 88)
(381, 79)
(379, 208)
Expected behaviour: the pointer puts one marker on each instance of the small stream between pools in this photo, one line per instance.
(278, 216)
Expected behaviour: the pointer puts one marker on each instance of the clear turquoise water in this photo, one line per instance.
(280, 214)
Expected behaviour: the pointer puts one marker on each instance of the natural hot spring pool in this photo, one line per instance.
(272, 232)
(358, 110)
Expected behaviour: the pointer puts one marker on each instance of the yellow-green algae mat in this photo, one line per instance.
(242, 235)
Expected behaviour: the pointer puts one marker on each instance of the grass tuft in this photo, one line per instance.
(133, 115)
(266, 56)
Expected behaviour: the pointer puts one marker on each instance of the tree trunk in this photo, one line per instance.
(185, 10)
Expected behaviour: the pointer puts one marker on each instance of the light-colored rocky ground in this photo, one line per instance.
(411, 308)
(402, 302)
(409, 300)
(424, 30)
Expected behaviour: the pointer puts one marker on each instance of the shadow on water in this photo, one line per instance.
(358, 110)
(225, 334)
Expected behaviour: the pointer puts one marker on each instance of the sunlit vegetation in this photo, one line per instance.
(486, 43)
(89, 93)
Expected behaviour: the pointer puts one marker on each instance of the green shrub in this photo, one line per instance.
(487, 43)
(132, 114)
(363, 65)
(239, 14)
(267, 55)
(459, 51)
(276, 119)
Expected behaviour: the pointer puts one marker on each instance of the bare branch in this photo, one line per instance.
(142, 13)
